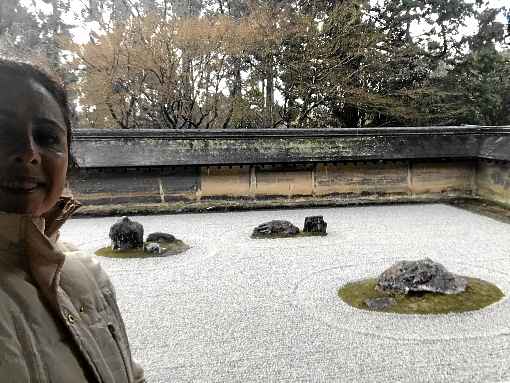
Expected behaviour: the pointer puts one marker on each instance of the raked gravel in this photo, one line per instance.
(235, 309)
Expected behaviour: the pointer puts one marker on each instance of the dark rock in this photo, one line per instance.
(422, 275)
(275, 228)
(126, 234)
(152, 248)
(315, 224)
(160, 237)
(380, 303)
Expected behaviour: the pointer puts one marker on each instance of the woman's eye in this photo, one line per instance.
(52, 139)
(49, 139)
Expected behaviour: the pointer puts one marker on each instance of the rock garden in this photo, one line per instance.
(233, 308)
(127, 242)
(420, 287)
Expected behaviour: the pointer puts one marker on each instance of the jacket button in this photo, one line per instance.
(82, 309)
(70, 318)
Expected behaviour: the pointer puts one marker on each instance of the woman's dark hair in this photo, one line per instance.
(51, 84)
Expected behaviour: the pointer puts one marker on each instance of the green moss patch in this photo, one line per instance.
(167, 248)
(478, 294)
(299, 235)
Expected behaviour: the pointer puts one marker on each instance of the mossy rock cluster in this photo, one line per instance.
(478, 294)
(314, 226)
(167, 248)
(298, 235)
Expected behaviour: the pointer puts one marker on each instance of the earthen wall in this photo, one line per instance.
(346, 181)
(390, 164)
(493, 181)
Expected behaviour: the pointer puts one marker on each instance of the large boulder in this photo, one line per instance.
(160, 237)
(315, 224)
(276, 228)
(423, 275)
(126, 234)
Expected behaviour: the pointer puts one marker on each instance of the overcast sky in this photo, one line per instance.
(81, 32)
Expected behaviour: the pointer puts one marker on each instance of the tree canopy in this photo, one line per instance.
(272, 63)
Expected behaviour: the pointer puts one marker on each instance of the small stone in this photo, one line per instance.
(380, 303)
(126, 234)
(422, 275)
(152, 248)
(276, 228)
(160, 237)
(315, 224)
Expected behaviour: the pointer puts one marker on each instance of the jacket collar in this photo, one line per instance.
(29, 243)
(13, 227)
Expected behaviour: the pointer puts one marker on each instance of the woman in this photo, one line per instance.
(59, 320)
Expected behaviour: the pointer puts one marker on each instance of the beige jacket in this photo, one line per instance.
(59, 319)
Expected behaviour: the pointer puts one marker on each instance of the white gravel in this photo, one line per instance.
(233, 309)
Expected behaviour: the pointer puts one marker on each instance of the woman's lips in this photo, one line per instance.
(21, 185)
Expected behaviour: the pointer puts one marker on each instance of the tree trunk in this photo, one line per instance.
(269, 94)
(236, 86)
(187, 77)
(53, 56)
(350, 117)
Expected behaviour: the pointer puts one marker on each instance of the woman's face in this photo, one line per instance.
(33, 147)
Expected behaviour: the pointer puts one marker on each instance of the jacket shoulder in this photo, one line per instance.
(7, 308)
(82, 271)
(82, 275)
(14, 363)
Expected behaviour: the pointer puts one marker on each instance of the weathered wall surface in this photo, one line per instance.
(283, 181)
(134, 185)
(496, 146)
(152, 166)
(348, 181)
(493, 181)
(118, 148)
(362, 179)
(442, 177)
(224, 181)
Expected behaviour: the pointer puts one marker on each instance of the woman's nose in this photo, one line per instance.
(27, 152)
